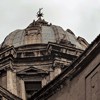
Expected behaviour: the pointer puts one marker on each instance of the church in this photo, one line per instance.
(45, 62)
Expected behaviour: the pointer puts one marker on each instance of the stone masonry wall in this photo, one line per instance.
(85, 86)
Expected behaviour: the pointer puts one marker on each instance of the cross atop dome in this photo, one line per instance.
(39, 13)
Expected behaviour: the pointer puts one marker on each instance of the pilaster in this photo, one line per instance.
(11, 81)
(23, 92)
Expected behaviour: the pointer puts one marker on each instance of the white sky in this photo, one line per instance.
(81, 16)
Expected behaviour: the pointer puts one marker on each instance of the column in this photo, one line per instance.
(23, 91)
(11, 81)
(44, 81)
(57, 71)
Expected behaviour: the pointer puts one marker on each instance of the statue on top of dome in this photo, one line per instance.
(39, 13)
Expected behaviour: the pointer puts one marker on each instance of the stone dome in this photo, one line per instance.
(40, 32)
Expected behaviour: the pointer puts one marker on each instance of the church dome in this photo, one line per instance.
(40, 32)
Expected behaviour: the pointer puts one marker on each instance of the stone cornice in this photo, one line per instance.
(7, 52)
(8, 95)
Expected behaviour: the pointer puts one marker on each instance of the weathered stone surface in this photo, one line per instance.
(32, 57)
(80, 81)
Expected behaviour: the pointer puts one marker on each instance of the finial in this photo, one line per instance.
(39, 13)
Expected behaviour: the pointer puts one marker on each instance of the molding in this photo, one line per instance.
(31, 71)
(8, 95)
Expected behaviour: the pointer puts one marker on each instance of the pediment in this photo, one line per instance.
(31, 70)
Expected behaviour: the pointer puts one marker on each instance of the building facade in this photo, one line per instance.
(31, 58)
(80, 81)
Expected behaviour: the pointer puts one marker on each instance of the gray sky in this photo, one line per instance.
(81, 16)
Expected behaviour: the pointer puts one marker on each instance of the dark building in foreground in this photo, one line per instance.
(44, 62)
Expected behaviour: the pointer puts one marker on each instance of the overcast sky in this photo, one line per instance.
(81, 16)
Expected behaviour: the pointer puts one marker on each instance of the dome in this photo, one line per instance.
(40, 32)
